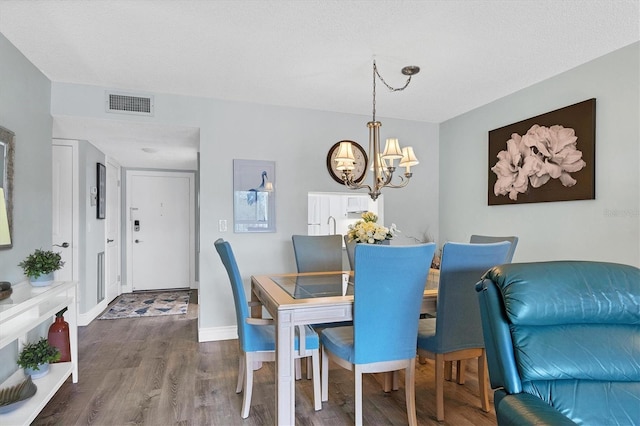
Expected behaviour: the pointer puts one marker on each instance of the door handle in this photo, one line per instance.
(137, 241)
(63, 245)
(109, 240)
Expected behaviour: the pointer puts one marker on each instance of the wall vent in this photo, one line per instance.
(122, 103)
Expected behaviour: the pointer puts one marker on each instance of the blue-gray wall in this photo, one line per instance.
(606, 228)
(25, 99)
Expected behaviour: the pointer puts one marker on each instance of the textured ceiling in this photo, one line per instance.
(318, 54)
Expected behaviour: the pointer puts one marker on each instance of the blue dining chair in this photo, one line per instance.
(456, 332)
(388, 289)
(485, 239)
(318, 253)
(256, 336)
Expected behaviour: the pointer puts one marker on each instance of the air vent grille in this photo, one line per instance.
(129, 104)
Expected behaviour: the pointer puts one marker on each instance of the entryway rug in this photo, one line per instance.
(148, 304)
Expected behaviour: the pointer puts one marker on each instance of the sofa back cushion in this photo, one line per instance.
(575, 328)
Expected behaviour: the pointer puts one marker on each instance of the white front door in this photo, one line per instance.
(112, 266)
(62, 209)
(160, 230)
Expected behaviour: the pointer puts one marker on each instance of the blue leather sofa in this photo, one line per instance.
(563, 342)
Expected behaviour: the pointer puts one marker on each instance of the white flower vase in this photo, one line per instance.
(42, 280)
(43, 370)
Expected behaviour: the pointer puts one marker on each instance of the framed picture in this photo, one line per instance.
(101, 179)
(550, 157)
(254, 203)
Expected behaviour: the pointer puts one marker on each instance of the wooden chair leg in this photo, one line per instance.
(310, 370)
(298, 368)
(461, 366)
(388, 381)
(241, 368)
(358, 395)
(483, 381)
(248, 386)
(315, 360)
(440, 387)
(395, 378)
(410, 391)
(448, 370)
(325, 375)
(422, 359)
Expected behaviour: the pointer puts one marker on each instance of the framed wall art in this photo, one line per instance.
(101, 179)
(254, 203)
(550, 157)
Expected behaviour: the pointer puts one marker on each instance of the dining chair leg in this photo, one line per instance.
(387, 381)
(483, 381)
(439, 387)
(358, 395)
(422, 359)
(410, 392)
(298, 368)
(248, 386)
(315, 360)
(310, 371)
(448, 370)
(325, 375)
(461, 366)
(241, 368)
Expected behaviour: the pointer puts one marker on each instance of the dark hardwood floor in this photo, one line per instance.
(153, 371)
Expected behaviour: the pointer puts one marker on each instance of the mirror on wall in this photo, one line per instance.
(6, 186)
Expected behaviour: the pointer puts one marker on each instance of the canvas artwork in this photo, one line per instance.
(550, 157)
(254, 196)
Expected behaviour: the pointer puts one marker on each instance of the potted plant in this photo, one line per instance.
(35, 358)
(40, 265)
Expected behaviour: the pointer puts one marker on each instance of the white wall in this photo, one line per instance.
(606, 228)
(298, 141)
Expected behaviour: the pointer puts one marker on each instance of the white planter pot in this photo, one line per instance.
(42, 280)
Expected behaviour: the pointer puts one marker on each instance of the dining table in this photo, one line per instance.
(297, 299)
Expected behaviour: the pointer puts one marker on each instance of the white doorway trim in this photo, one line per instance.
(113, 231)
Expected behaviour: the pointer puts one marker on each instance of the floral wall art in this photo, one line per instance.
(550, 157)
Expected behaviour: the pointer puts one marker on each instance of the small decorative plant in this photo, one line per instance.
(35, 354)
(41, 262)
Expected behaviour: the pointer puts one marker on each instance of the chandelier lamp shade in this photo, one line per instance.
(383, 163)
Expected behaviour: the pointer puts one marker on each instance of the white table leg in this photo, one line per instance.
(285, 372)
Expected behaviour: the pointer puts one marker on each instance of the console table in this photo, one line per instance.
(25, 309)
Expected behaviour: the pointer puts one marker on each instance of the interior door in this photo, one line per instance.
(112, 267)
(160, 232)
(62, 209)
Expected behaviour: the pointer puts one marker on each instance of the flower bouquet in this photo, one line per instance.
(367, 230)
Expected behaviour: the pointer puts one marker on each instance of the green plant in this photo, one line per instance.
(40, 352)
(41, 262)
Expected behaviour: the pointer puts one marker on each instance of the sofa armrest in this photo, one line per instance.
(523, 409)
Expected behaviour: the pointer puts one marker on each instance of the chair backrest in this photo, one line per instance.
(458, 323)
(388, 288)
(566, 332)
(318, 253)
(485, 239)
(245, 332)
(351, 250)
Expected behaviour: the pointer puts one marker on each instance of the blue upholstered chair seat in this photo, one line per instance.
(264, 338)
(339, 340)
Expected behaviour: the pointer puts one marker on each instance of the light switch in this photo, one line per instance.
(222, 225)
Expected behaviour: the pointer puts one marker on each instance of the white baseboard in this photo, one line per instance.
(85, 319)
(213, 334)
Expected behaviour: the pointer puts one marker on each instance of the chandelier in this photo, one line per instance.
(381, 164)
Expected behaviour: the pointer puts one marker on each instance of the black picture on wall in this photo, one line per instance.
(101, 179)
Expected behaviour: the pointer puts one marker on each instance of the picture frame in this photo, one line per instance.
(549, 157)
(101, 180)
(254, 202)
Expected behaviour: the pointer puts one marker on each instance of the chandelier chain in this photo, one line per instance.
(391, 88)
